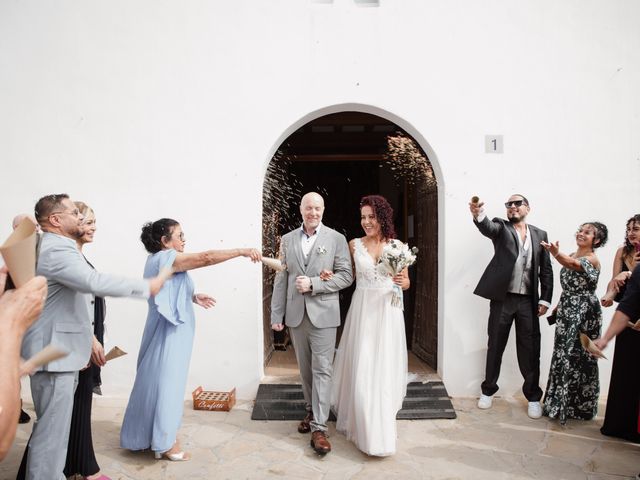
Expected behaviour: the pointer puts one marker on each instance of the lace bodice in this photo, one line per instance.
(367, 275)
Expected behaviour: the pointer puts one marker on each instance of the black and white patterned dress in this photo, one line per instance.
(573, 386)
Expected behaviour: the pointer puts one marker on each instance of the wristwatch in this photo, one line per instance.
(310, 285)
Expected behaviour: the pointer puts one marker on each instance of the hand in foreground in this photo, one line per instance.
(552, 247)
(542, 309)
(25, 368)
(278, 327)
(204, 300)
(21, 306)
(326, 275)
(252, 253)
(156, 283)
(303, 284)
(97, 353)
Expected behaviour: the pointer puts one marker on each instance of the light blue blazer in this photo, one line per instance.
(66, 318)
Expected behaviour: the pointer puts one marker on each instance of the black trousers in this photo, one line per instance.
(81, 458)
(502, 315)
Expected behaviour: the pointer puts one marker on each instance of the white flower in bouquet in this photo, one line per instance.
(396, 256)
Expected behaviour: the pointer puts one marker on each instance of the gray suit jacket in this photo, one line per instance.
(66, 318)
(329, 252)
(495, 279)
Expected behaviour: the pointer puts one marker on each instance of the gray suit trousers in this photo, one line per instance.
(53, 401)
(315, 348)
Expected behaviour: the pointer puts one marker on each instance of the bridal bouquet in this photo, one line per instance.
(396, 256)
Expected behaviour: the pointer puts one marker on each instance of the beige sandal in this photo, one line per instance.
(174, 457)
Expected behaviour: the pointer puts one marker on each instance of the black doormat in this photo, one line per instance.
(286, 402)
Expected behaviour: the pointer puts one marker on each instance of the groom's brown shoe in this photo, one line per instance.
(320, 443)
(304, 426)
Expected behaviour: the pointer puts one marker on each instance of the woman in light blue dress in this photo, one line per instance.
(154, 412)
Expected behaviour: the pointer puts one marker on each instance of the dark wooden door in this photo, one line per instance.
(425, 327)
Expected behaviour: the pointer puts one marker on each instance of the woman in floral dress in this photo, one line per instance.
(573, 386)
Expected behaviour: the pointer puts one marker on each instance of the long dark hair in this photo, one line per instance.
(628, 251)
(383, 212)
(153, 233)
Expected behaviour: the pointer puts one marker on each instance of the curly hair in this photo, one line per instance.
(383, 212)
(628, 250)
(153, 233)
(601, 234)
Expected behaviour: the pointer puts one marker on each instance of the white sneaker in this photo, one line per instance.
(485, 401)
(534, 410)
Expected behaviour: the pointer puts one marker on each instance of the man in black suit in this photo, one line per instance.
(511, 280)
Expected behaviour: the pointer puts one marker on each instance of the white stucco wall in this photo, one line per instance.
(146, 109)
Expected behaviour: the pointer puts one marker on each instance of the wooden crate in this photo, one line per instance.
(215, 401)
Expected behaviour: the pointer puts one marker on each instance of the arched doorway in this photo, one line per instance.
(345, 156)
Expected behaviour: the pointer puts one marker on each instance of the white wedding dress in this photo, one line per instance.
(370, 368)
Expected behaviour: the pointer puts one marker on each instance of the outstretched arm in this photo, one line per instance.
(628, 310)
(190, 261)
(619, 322)
(567, 260)
(65, 264)
(488, 228)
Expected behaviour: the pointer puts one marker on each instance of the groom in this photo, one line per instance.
(311, 308)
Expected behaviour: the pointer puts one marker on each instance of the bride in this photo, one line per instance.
(370, 369)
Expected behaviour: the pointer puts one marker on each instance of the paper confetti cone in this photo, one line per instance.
(19, 253)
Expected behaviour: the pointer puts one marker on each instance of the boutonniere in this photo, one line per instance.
(321, 250)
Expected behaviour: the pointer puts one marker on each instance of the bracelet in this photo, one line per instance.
(556, 255)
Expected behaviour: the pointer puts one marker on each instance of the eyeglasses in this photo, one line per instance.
(75, 212)
(514, 203)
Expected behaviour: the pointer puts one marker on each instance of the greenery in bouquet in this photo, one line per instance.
(396, 256)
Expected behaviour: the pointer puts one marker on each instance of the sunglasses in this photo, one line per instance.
(514, 203)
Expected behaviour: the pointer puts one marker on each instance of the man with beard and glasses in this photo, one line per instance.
(65, 322)
(519, 268)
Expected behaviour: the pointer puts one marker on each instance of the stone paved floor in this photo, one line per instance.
(502, 443)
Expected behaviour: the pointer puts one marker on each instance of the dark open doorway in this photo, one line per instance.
(345, 156)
